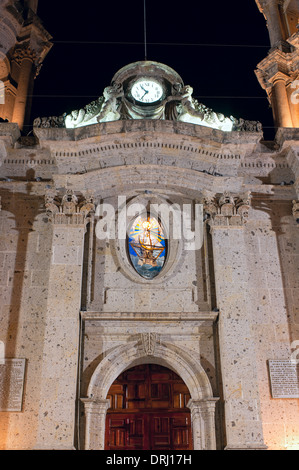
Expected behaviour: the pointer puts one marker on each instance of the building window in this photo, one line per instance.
(147, 246)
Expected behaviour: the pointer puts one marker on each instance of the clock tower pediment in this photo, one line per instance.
(148, 90)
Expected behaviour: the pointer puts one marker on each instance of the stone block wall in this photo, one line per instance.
(25, 253)
(248, 270)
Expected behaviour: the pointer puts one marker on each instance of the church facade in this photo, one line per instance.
(149, 259)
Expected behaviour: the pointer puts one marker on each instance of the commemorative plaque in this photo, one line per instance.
(284, 377)
(12, 372)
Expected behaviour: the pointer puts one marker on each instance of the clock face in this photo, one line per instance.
(147, 91)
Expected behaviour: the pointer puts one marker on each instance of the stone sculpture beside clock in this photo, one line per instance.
(147, 90)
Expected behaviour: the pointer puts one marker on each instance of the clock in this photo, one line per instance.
(147, 90)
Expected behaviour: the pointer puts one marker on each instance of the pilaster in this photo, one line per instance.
(69, 214)
(95, 416)
(203, 423)
(227, 218)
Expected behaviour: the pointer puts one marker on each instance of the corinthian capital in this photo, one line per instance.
(227, 209)
(295, 210)
(24, 52)
(69, 208)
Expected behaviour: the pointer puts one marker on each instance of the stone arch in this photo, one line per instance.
(148, 349)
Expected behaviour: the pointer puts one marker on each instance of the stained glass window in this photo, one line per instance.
(147, 246)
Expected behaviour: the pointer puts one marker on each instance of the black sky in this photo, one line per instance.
(214, 46)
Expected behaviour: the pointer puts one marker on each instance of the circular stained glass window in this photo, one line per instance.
(147, 246)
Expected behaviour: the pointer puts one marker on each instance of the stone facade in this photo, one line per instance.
(75, 308)
(216, 316)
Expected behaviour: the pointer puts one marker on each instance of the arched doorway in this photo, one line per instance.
(134, 353)
(148, 411)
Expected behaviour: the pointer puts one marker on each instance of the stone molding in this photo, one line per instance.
(69, 209)
(97, 407)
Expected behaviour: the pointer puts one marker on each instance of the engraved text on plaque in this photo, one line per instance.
(11, 384)
(284, 376)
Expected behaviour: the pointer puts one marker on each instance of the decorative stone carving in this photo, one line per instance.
(243, 204)
(149, 342)
(24, 52)
(69, 208)
(246, 126)
(85, 116)
(52, 121)
(295, 210)
(209, 203)
(226, 209)
(189, 110)
(113, 96)
(178, 105)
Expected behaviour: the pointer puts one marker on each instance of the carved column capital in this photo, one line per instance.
(69, 208)
(227, 209)
(97, 407)
(295, 210)
(24, 52)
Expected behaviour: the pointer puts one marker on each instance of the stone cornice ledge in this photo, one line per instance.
(146, 125)
(150, 317)
(286, 135)
(9, 132)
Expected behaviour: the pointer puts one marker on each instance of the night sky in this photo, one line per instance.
(214, 46)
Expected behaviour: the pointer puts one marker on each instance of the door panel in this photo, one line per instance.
(125, 432)
(148, 432)
(148, 411)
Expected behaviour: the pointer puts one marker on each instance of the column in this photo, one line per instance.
(25, 58)
(243, 426)
(273, 22)
(280, 103)
(95, 416)
(58, 394)
(203, 423)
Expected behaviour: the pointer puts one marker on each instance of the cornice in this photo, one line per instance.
(143, 126)
(277, 62)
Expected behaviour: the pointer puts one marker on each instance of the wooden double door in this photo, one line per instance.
(148, 411)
